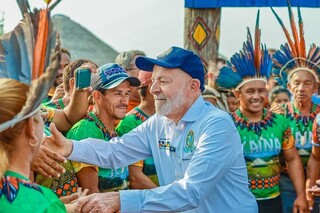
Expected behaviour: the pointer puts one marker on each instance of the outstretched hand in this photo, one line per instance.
(46, 162)
(58, 143)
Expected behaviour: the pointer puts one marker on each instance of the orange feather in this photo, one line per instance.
(40, 45)
(303, 51)
(257, 50)
(294, 31)
(290, 42)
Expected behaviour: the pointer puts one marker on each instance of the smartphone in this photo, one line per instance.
(83, 78)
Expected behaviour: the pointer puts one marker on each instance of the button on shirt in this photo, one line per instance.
(199, 161)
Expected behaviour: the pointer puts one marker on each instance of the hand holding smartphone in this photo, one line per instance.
(83, 78)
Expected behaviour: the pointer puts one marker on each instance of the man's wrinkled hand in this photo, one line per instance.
(99, 202)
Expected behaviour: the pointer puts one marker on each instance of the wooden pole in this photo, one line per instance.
(202, 32)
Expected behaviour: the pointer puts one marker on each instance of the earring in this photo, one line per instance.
(33, 144)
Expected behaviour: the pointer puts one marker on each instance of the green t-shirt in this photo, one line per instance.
(262, 143)
(56, 104)
(19, 194)
(133, 119)
(92, 127)
(301, 127)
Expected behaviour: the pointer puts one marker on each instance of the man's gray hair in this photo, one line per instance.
(124, 58)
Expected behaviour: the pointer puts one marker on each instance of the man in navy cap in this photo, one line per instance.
(111, 90)
(195, 147)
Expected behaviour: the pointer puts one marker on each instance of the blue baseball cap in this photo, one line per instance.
(110, 75)
(176, 57)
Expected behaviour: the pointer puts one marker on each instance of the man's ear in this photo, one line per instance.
(316, 89)
(237, 94)
(195, 84)
(96, 95)
(71, 84)
(289, 87)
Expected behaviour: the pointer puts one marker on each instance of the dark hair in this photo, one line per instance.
(230, 94)
(68, 72)
(277, 90)
(143, 91)
(66, 51)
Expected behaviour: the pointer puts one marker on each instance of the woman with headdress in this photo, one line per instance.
(25, 79)
(263, 134)
(18, 145)
(299, 71)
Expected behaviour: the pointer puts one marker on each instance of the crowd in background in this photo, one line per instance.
(269, 118)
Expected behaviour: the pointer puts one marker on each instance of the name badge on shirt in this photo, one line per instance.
(164, 144)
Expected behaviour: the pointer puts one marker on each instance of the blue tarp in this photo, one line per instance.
(249, 3)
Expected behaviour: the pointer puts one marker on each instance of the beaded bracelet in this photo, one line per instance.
(315, 144)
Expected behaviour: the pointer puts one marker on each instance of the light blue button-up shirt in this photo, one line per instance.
(199, 162)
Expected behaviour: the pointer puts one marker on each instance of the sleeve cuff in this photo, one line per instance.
(130, 200)
(77, 151)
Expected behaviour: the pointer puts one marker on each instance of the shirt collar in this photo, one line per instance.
(194, 111)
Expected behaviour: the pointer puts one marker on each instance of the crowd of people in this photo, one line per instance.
(162, 135)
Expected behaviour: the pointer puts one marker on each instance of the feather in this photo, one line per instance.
(293, 56)
(24, 6)
(29, 37)
(44, 83)
(294, 31)
(302, 41)
(37, 91)
(24, 56)
(16, 49)
(253, 61)
(11, 55)
(227, 78)
(40, 45)
(291, 44)
(24, 63)
(257, 52)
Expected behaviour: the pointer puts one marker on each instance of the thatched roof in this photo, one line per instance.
(81, 43)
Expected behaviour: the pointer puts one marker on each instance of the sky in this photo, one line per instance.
(155, 25)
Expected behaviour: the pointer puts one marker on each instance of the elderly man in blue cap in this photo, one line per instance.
(195, 147)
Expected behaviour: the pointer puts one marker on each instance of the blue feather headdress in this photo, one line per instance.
(250, 64)
(25, 55)
(292, 55)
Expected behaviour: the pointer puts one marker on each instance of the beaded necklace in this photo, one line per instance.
(255, 126)
(139, 115)
(92, 116)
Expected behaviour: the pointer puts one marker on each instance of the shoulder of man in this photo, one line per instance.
(85, 129)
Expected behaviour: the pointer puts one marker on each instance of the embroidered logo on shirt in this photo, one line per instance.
(189, 147)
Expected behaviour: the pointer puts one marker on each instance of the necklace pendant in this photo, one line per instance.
(302, 140)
